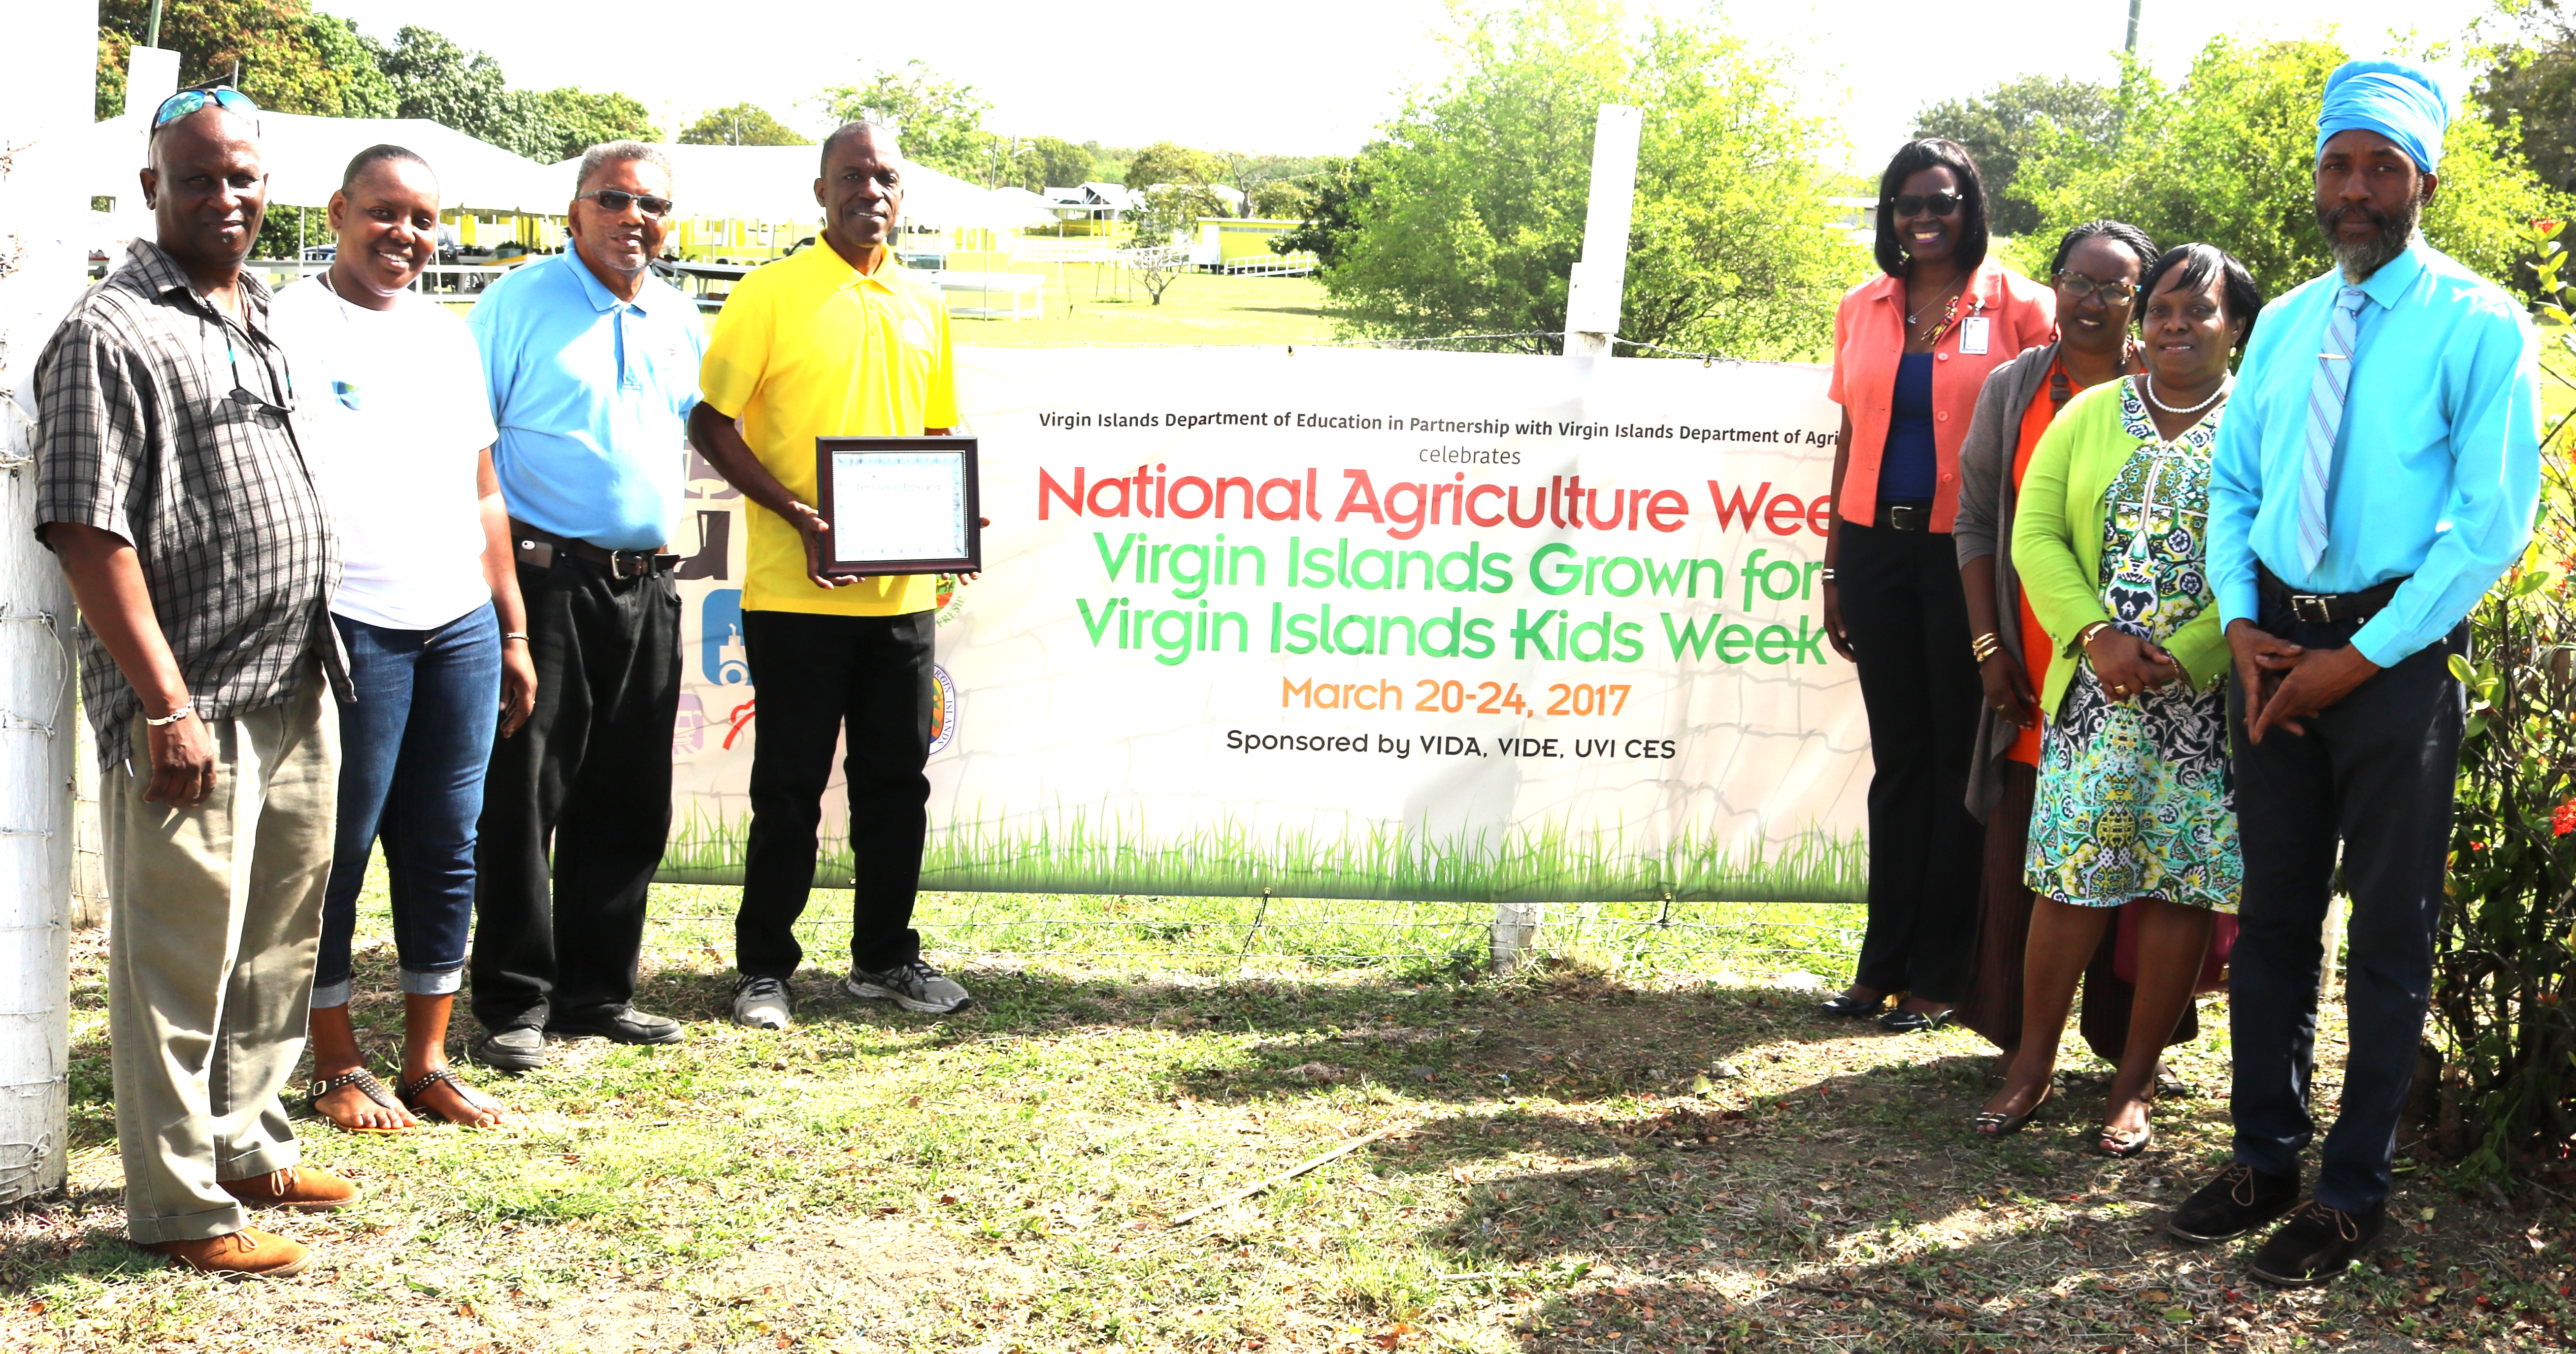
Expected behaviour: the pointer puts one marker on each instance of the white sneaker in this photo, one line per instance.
(914, 987)
(760, 1003)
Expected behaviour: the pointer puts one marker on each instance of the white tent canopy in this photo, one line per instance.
(305, 157)
(776, 183)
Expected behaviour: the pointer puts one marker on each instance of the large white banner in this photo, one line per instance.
(1360, 624)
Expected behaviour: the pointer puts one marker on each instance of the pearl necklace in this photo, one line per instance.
(2147, 387)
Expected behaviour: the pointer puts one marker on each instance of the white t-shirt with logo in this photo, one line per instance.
(395, 408)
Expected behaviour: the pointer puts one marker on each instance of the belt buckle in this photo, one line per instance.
(629, 563)
(1905, 517)
(2312, 609)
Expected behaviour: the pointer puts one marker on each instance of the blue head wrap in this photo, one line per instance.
(2399, 101)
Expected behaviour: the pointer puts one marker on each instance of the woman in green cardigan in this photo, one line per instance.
(2134, 802)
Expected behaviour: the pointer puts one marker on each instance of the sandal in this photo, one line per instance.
(1996, 1125)
(367, 1085)
(414, 1089)
(1902, 1021)
(2120, 1143)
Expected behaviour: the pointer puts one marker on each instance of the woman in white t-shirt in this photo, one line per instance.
(397, 418)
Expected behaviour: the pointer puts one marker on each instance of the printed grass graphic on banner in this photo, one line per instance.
(1076, 851)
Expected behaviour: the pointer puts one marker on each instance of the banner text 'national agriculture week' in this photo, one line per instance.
(1359, 624)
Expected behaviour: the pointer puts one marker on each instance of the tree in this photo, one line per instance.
(1998, 125)
(1171, 162)
(580, 120)
(939, 122)
(1281, 200)
(1165, 218)
(1341, 191)
(289, 58)
(2530, 92)
(2227, 157)
(743, 124)
(1474, 202)
(434, 78)
(1053, 162)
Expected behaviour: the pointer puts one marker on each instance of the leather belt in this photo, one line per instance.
(539, 547)
(1905, 516)
(2330, 608)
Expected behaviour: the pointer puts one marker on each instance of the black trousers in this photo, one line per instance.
(579, 798)
(2376, 774)
(1908, 621)
(817, 677)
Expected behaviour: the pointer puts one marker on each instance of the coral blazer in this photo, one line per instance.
(1869, 338)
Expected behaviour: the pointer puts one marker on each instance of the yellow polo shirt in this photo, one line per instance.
(809, 347)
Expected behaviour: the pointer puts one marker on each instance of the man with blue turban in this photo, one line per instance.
(2376, 473)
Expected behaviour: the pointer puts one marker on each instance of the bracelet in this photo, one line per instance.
(1827, 573)
(519, 635)
(186, 708)
(2085, 635)
(1986, 646)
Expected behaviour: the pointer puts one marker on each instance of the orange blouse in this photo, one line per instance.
(1869, 340)
(2036, 646)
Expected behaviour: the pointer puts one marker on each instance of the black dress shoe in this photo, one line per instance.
(2316, 1244)
(618, 1025)
(1851, 1007)
(519, 1048)
(2238, 1201)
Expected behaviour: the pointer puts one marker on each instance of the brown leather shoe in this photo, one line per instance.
(249, 1254)
(306, 1189)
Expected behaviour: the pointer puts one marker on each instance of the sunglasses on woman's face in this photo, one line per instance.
(1918, 204)
(188, 101)
(2079, 286)
(618, 200)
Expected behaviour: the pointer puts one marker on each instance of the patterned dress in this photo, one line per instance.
(2135, 797)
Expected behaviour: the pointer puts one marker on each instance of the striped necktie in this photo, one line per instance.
(2325, 418)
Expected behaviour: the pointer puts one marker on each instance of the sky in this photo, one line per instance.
(1319, 75)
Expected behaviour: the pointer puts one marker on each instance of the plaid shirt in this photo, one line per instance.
(138, 433)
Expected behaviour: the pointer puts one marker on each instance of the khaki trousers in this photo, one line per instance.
(215, 915)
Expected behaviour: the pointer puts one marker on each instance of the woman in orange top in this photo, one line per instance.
(2095, 276)
(1911, 351)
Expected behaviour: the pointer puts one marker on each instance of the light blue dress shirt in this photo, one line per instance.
(592, 395)
(2437, 463)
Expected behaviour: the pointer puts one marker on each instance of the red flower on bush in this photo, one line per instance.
(2562, 820)
(2544, 225)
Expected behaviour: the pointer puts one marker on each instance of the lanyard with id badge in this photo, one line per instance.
(1973, 340)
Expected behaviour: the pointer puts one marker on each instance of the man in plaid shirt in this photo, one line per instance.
(172, 485)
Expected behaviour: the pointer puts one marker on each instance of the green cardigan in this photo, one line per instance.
(2057, 541)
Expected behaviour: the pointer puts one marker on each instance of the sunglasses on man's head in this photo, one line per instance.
(618, 199)
(188, 101)
(1916, 204)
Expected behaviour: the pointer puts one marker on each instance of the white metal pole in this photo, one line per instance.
(49, 62)
(1601, 275)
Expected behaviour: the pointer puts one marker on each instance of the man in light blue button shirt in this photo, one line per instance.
(593, 365)
(2376, 472)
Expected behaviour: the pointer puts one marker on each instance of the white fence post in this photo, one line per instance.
(1601, 275)
(1591, 317)
(50, 62)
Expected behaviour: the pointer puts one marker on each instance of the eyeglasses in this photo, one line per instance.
(1917, 204)
(188, 101)
(2079, 286)
(618, 199)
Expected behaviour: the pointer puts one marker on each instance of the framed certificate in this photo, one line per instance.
(899, 505)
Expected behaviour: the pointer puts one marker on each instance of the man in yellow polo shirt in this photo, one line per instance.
(839, 340)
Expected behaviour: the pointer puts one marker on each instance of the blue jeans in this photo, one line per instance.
(412, 755)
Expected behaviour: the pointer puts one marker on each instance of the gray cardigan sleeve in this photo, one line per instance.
(1985, 458)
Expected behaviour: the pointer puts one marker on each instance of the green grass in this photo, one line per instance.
(1088, 307)
(1598, 1153)
(1074, 851)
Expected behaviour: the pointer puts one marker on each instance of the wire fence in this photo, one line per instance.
(1679, 936)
